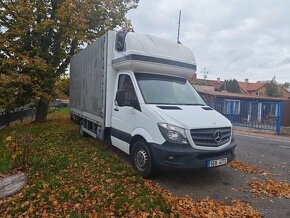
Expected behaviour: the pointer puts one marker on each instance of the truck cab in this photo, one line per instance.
(153, 113)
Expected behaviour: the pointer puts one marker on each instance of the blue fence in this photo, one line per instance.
(252, 114)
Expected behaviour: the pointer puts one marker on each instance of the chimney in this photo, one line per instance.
(246, 80)
(218, 79)
(192, 78)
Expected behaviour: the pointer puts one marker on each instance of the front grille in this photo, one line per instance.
(205, 137)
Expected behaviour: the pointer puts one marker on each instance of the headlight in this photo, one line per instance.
(172, 133)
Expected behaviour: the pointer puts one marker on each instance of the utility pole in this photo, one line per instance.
(178, 31)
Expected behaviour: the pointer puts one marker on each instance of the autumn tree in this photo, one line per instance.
(272, 89)
(286, 85)
(62, 87)
(38, 38)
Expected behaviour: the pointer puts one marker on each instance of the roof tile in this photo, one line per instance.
(248, 87)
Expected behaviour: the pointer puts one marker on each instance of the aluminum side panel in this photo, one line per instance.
(88, 79)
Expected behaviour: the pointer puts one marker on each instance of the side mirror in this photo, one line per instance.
(120, 97)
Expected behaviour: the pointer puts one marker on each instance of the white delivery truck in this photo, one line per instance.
(133, 89)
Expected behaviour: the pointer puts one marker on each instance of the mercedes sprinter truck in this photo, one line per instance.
(133, 89)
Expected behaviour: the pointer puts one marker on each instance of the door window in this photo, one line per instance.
(125, 84)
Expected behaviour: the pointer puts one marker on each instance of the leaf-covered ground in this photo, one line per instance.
(80, 176)
(270, 188)
(241, 166)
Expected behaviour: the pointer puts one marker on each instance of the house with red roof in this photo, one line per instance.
(258, 88)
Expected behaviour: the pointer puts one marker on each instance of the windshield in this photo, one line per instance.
(161, 89)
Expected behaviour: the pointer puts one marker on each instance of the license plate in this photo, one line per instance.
(214, 163)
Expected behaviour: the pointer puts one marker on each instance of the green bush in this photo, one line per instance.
(52, 109)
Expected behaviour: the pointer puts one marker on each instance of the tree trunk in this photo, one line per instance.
(41, 111)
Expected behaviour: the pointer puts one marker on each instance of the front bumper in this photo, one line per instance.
(169, 156)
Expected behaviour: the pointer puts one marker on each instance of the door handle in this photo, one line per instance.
(116, 109)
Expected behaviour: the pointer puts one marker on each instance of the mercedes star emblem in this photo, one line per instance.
(217, 136)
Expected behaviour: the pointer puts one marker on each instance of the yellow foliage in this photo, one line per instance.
(13, 156)
(9, 138)
(40, 38)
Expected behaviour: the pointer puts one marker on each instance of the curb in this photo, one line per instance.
(264, 136)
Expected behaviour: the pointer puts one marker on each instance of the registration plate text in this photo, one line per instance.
(214, 163)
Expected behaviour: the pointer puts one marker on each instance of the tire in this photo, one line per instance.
(142, 159)
(82, 133)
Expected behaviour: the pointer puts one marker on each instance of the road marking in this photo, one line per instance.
(281, 146)
(261, 137)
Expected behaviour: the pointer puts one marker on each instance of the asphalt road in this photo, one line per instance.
(222, 183)
(217, 183)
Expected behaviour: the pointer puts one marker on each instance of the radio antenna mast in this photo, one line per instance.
(178, 31)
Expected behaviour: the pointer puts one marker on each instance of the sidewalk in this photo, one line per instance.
(262, 133)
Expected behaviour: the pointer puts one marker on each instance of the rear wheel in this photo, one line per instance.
(81, 131)
(142, 159)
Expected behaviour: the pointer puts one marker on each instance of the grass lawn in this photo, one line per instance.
(80, 176)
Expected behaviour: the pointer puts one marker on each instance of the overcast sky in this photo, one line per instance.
(231, 38)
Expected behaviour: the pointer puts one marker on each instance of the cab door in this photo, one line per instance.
(123, 116)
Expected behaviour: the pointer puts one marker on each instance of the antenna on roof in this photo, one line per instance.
(205, 72)
(178, 31)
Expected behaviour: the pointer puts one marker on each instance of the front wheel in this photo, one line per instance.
(142, 159)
